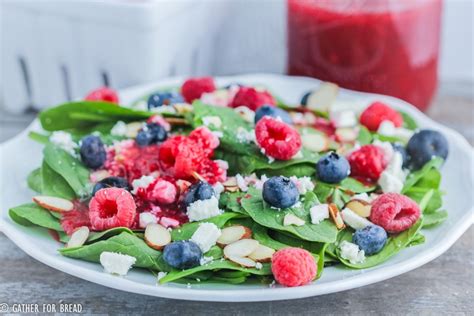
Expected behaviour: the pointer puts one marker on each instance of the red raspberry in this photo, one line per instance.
(378, 112)
(394, 212)
(103, 94)
(252, 98)
(205, 139)
(367, 162)
(160, 121)
(293, 266)
(163, 192)
(76, 218)
(112, 207)
(278, 139)
(193, 88)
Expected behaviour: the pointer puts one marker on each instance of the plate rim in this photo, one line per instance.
(261, 294)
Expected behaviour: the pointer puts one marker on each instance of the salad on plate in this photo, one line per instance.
(208, 184)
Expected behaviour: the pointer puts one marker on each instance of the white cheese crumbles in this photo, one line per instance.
(206, 236)
(343, 118)
(245, 136)
(303, 184)
(392, 178)
(387, 128)
(146, 218)
(161, 275)
(351, 252)
(205, 260)
(64, 141)
(116, 263)
(319, 213)
(142, 182)
(258, 266)
(246, 113)
(119, 129)
(212, 121)
(203, 209)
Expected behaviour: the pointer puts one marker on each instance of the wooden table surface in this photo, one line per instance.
(444, 285)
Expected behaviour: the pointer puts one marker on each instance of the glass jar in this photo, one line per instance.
(383, 46)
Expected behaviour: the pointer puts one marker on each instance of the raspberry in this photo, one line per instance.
(394, 212)
(76, 218)
(103, 94)
(182, 156)
(112, 207)
(278, 139)
(160, 121)
(367, 162)
(252, 98)
(293, 266)
(163, 192)
(130, 161)
(378, 112)
(193, 88)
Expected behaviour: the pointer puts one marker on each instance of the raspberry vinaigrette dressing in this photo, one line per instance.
(383, 46)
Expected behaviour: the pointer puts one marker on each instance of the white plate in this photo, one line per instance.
(20, 155)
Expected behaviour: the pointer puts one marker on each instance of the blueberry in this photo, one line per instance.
(332, 168)
(273, 111)
(92, 151)
(111, 182)
(401, 149)
(198, 191)
(152, 133)
(425, 145)
(371, 239)
(304, 99)
(182, 254)
(164, 98)
(280, 192)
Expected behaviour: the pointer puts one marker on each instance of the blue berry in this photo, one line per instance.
(111, 182)
(280, 192)
(152, 133)
(332, 168)
(182, 254)
(273, 111)
(304, 99)
(164, 98)
(371, 239)
(92, 152)
(401, 149)
(198, 191)
(425, 145)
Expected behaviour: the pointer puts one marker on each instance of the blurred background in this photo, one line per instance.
(54, 51)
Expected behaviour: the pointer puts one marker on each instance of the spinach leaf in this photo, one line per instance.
(432, 219)
(416, 176)
(35, 181)
(54, 184)
(364, 137)
(86, 113)
(231, 201)
(68, 167)
(106, 234)
(355, 186)
(187, 230)
(408, 121)
(419, 194)
(264, 215)
(37, 137)
(418, 239)
(31, 214)
(394, 244)
(124, 243)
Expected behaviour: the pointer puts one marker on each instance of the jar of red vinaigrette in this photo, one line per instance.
(383, 46)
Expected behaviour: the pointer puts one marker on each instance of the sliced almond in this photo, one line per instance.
(133, 128)
(78, 237)
(346, 134)
(291, 219)
(262, 254)
(360, 207)
(336, 216)
(53, 203)
(232, 234)
(157, 236)
(197, 176)
(183, 108)
(315, 142)
(323, 98)
(240, 248)
(230, 182)
(244, 262)
(176, 121)
(231, 189)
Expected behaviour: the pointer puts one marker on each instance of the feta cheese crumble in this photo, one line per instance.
(343, 118)
(64, 141)
(116, 263)
(303, 184)
(161, 275)
(291, 219)
(362, 196)
(203, 209)
(147, 218)
(319, 213)
(119, 129)
(387, 128)
(142, 182)
(245, 136)
(351, 252)
(212, 121)
(241, 183)
(246, 113)
(205, 260)
(258, 266)
(206, 236)
(392, 178)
